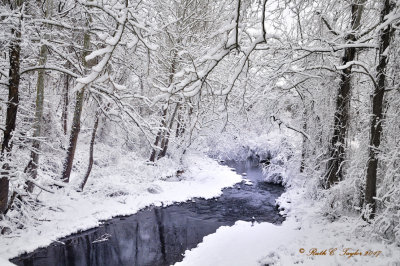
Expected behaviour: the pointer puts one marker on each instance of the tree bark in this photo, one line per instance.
(73, 138)
(12, 108)
(158, 138)
(92, 140)
(304, 144)
(377, 112)
(164, 144)
(180, 128)
(64, 115)
(334, 172)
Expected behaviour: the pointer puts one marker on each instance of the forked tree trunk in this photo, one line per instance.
(162, 131)
(377, 112)
(334, 171)
(12, 108)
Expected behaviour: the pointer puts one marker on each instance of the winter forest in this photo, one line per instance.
(281, 118)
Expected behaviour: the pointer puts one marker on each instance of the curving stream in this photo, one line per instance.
(160, 235)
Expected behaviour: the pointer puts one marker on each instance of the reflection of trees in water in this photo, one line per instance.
(153, 237)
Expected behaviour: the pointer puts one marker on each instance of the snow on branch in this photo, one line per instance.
(119, 19)
(192, 84)
(362, 65)
(57, 24)
(242, 64)
(107, 52)
(392, 17)
(335, 48)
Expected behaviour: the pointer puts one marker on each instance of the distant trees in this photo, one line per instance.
(184, 60)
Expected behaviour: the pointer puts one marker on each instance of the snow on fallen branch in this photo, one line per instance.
(33, 181)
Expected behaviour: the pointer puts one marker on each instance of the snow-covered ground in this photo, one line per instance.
(292, 243)
(121, 188)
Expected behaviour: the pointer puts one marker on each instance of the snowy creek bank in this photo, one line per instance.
(160, 235)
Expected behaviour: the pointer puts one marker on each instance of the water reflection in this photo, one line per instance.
(159, 236)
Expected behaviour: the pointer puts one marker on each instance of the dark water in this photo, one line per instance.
(160, 235)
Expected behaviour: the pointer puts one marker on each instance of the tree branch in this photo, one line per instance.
(62, 70)
(329, 26)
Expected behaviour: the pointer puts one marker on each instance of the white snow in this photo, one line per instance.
(121, 188)
(98, 52)
(4, 262)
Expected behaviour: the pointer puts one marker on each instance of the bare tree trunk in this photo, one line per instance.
(341, 123)
(73, 138)
(180, 128)
(158, 138)
(304, 145)
(76, 121)
(64, 115)
(377, 112)
(165, 141)
(4, 188)
(13, 95)
(12, 108)
(141, 93)
(334, 172)
(33, 164)
(90, 165)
